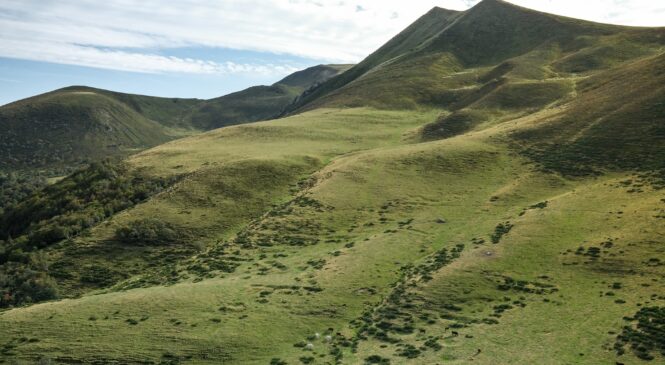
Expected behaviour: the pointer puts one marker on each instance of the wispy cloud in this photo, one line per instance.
(139, 35)
(104, 58)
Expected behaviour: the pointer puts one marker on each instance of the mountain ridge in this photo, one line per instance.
(491, 32)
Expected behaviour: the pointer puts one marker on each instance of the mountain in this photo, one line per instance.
(526, 44)
(74, 125)
(486, 188)
(408, 40)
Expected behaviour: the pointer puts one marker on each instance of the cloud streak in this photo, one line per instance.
(139, 36)
(72, 54)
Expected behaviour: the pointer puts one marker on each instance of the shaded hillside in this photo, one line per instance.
(169, 112)
(617, 121)
(73, 126)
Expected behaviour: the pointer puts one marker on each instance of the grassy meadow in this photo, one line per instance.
(323, 217)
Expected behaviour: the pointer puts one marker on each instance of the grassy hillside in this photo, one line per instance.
(406, 41)
(447, 205)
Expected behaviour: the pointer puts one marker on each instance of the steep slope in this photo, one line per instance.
(494, 31)
(466, 55)
(412, 37)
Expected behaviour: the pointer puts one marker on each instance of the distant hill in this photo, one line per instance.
(79, 124)
(259, 102)
(75, 125)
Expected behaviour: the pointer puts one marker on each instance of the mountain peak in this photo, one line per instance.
(440, 10)
(495, 30)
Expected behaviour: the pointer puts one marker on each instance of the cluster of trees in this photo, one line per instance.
(149, 232)
(26, 282)
(60, 211)
(14, 187)
(80, 201)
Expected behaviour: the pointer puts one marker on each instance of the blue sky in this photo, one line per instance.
(208, 48)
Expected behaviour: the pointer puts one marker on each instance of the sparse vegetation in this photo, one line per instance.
(644, 334)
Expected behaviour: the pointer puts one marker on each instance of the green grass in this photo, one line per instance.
(400, 192)
(428, 209)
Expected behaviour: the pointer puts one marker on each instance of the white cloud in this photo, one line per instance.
(134, 35)
(624, 12)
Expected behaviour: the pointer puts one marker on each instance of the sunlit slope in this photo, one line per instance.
(230, 176)
(406, 41)
(335, 248)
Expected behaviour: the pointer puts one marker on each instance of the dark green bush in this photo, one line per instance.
(376, 359)
(500, 230)
(644, 334)
(21, 285)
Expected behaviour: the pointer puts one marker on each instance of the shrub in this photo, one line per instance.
(500, 230)
(376, 359)
(100, 275)
(644, 333)
(409, 351)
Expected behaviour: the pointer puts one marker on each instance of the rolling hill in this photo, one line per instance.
(485, 188)
(75, 125)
